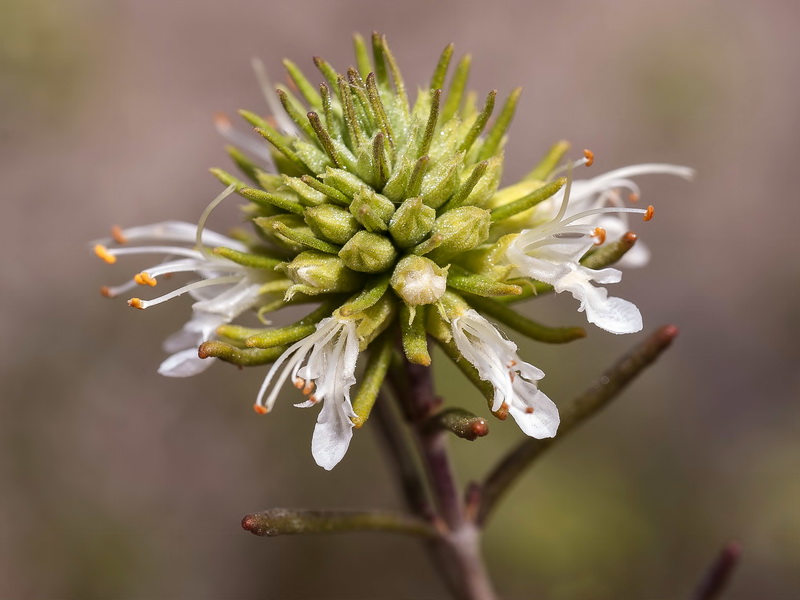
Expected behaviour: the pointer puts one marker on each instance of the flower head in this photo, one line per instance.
(385, 212)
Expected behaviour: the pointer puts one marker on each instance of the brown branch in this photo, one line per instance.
(286, 521)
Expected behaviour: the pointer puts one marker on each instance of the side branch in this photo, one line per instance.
(286, 521)
(605, 389)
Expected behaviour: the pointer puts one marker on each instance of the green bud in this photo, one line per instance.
(461, 229)
(374, 320)
(266, 227)
(320, 273)
(331, 222)
(372, 210)
(368, 253)
(411, 222)
(308, 195)
(442, 181)
(342, 180)
(419, 280)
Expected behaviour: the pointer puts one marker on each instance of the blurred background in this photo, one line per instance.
(118, 483)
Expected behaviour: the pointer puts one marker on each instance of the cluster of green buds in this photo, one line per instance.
(386, 215)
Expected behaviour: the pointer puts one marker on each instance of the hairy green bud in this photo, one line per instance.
(460, 229)
(316, 273)
(411, 223)
(331, 222)
(372, 210)
(368, 253)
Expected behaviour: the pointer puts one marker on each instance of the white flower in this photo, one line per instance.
(605, 190)
(550, 252)
(322, 365)
(223, 292)
(514, 380)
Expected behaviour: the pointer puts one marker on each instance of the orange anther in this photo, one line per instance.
(260, 410)
(106, 291)
(589, 156)
(600, 234)
(144, 278)
(136, 303)
(649, 214)
(299, 383)
(313, 399)
(633, 197)
(102, 252)
(309, 387)
(116, 233)
(529, 410)
(502, 412)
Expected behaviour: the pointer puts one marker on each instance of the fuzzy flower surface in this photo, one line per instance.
(384, 217)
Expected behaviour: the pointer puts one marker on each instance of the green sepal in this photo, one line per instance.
(374, 320)
(266, 227)
(243, 357)
(227, 179)
(291, 333)
(440, 72)
(377, 366)
(301, 237)
(308, 195)
(316, 160)
(368, 252)
(347, 183)
(528, 201)
(413, 333)
(303, 85)
(295, 110)
(246, 259)
(456, 91)
(373, 291)
(472, 283)
(332, 193)
(466, 188)
(317, 273)
(441, 181)
(263, 198)
(411, 222)
(373, 210)
(296, 165)
(494, 139)
(331, 222)
(246, 166)
(479, 124)
(461, 229)
(527, 327)
(362, 55)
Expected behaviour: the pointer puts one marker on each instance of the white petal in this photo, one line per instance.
(612, 314)
(543, 421)
(332, 434)
(184, 364)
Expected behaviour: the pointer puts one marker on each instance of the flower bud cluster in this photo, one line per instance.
(387, 214)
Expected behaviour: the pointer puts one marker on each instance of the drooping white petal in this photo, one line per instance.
(514, 380)
(610, 313)
(323, 363)
(332, 433)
